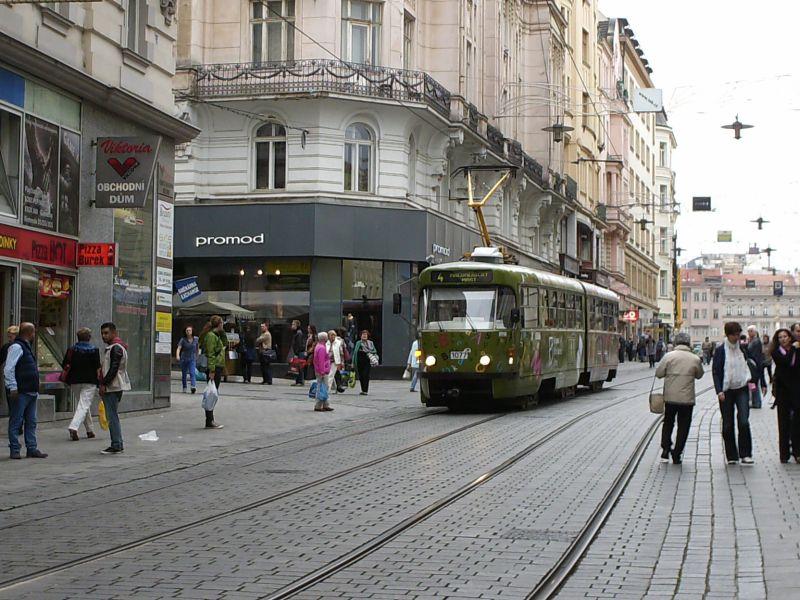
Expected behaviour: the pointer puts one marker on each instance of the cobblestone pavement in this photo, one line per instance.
(672, 526)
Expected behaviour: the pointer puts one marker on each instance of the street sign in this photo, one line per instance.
(187, 288)
(701, 203)
(777, 288)
(630, 316)
(124, 170)
(97, 255)
(647, 100)
(724, 236)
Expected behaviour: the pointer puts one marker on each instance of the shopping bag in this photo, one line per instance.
(101, 413)
(322, 395)
(407, 374)
(656, 400)
(351, 381)
(373, 359)
(312, 391)
(296, 365)
(210, 396)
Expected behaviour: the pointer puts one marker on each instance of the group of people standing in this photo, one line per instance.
(645, 348)
(739, 364)
(84, 370)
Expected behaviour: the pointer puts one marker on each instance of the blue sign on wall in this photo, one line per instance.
(12, 88)
(187, 288)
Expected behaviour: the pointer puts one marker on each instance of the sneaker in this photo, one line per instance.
(747, 460)
(665, 456)
(90, 435)
(214, 426)
(36, 454)
(111, 450)
(73, 435)
(733, 461)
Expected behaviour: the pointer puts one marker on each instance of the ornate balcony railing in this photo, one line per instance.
(571, 190)
(318, 75)
(496, 139)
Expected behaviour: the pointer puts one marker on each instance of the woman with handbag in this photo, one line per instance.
(365, 356)
(785, 354)
(321, 362)
(214, 350)
(679, 369)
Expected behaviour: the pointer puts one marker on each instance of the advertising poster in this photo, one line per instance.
(41, 174)
(724, 236)
(166, 223)
(163, 321)
(69, 183)
(163, 279)
(124, 170)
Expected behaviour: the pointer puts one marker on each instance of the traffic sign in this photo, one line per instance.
(701, 203)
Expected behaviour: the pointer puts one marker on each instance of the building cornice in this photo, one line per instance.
(29, 59)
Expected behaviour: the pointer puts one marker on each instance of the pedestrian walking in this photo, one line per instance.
(621, 351)
(641, 349)
(335, 347)
(679, 369)
(11, 334)
(631, 350)
(114, 380)
(413, 363)
(322, 368)
(706, 349)
(311, 344)
(299, 350)
(660, 346)
(785, 354)
(21, 374)
(765, 343)
(365, 356)
(755, 352)
(247, 353)
(650, 346)
(211, 340)
(731, 377)
(80, 371)
(186, 355)
(266, 354)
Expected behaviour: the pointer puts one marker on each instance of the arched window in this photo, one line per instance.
(358, 157)
(270, 157)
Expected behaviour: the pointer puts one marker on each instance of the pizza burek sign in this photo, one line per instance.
(124, 170)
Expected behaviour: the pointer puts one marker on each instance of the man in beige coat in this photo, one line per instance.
(679, 369)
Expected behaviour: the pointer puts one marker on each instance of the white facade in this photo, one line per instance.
(665, 216)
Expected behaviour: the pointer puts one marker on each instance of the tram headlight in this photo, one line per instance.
(511, 360)
(430, 360)
(485, 360)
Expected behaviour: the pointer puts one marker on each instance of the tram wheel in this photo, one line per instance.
(527, 402)
(597, 386)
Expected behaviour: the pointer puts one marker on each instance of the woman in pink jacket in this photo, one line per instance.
(322, 366)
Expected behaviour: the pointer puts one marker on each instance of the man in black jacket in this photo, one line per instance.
(81, 367)
(298, 348)
(755, 352)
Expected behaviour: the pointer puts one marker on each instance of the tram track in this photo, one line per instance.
(89, 558)
(568, 561)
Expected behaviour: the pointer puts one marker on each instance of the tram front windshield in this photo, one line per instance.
(477, 309)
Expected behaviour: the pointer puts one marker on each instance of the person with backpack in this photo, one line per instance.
(731, 378)
(80, 371)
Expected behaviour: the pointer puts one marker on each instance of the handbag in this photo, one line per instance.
(373, 359)
(656, 400)
(270, 355)
(101, 415)
(296, 365)
(407, 374)
(64, 375)
(312, 391)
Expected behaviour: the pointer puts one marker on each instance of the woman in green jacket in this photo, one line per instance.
(362, 361)
(214, 349)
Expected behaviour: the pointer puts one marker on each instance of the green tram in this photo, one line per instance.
(501, 332)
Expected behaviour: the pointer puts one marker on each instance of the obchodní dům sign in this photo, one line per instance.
(124, 170)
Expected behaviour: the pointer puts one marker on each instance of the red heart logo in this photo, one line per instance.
(124, 169)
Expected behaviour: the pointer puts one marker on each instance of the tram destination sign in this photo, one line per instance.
(464, 277)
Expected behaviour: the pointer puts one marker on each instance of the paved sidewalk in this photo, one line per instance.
(703, 529)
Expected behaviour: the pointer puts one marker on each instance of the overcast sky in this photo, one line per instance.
(714, 59)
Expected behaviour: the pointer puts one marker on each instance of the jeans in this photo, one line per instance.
(755, 395)
(188, 365)
(111, 401)
(24, 408)
(83, 411)
(684, 415)
(321, 381)
(738, 400)
(414, 378)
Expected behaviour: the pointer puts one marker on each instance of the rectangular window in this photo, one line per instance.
(684, 314)
(766, 311)
(662, 154)
(704, 313)
(684, 296)
(664, 240)
(585, 48)
(664, 194)
(469, 60)
(739, 311)
(62, 8)
(728, 311)
(716, 314)
(272, 25)
(696, 296)
(10, 153)
(662, 283)
(361, 30)
(137, 23)
(408, 40)
(696, 313)
(270, 157)
(587, 111)
(752, 311)
(704, 297)
(530, 305)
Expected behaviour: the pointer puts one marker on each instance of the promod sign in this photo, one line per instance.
(124, 170)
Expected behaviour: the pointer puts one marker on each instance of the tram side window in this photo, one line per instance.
(545, 309)
(562, 310)
(579, 312)
(554, 309)
(530, 303)
(570, 324)
(506, 301)
(598, 315)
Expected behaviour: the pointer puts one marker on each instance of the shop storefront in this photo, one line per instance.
(318, 263)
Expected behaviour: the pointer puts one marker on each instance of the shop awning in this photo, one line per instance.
(215, 308)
